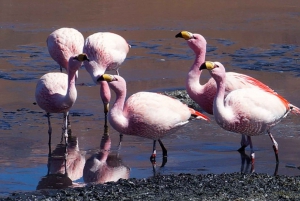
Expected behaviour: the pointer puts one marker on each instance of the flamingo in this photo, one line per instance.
(56, 93)
(248, 111)
(204, 95)
(64, 43)
(146, 114)
(106, 51)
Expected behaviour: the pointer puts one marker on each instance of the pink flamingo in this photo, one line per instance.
(106, 51)
(103, 166)
(146, 114)
(204, 95)
(64, 43)
(56, 92)
(248, 111)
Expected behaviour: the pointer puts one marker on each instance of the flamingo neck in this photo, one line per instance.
(71, 94)
(116, 114)
(221, 113)
(193, 85)
(105, 92)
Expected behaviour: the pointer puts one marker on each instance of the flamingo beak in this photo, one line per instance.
(209, 65)
(184, 34)
(107, 78)
(82, 57)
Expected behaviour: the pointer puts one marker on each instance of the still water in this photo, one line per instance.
(258, 39)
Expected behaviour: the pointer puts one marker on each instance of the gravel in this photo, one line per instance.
(233, 186)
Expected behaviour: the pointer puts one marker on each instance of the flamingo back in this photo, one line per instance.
(106, 51)
(153, 115)
(64, 43)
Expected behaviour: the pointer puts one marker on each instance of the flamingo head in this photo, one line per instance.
(195, 41)
(76, 61)
(216, 69)
(116, 82)
(81, 57)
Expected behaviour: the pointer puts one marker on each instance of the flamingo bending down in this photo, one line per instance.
(249, 111)
(64, 43)
(106, 51)
(56, 92)
(204, 95)
(146, 114)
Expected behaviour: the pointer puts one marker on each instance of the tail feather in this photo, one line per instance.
(295, 110)
(199, 115)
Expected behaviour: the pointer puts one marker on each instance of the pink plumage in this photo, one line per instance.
(248, 111)
(146, 114)
(64, 43)
(106, 51)
(204, 95)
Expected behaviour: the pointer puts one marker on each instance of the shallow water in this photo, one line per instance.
(260, 40)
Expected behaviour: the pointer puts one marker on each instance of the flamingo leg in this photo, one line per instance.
(165, 153)
(120, 142)
(49, 142)
(153, 156)
(69, 126)
(275, 146)
(244, 144)
(164, 150)
(252, 154)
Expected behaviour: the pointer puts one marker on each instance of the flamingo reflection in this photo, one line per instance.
(75, 160)
(56, 177)
(105, 166)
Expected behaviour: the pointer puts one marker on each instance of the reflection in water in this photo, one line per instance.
(56, 177)
(75, 159)
(105, 166)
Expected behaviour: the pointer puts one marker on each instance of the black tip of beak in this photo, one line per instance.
(203, 66)
(100, 78)
(179, 35)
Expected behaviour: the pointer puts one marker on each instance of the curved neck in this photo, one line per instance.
(193, 85)
(71, 94)
(220, 112)
(116, 115)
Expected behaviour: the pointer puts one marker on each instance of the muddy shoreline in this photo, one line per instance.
(234, 186)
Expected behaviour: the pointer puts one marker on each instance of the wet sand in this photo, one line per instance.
(258, 39)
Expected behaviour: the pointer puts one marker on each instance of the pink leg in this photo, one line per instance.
(252, 150)
(275, 146)
(153, 156)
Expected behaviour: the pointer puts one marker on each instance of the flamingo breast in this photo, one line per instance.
(50, 92)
